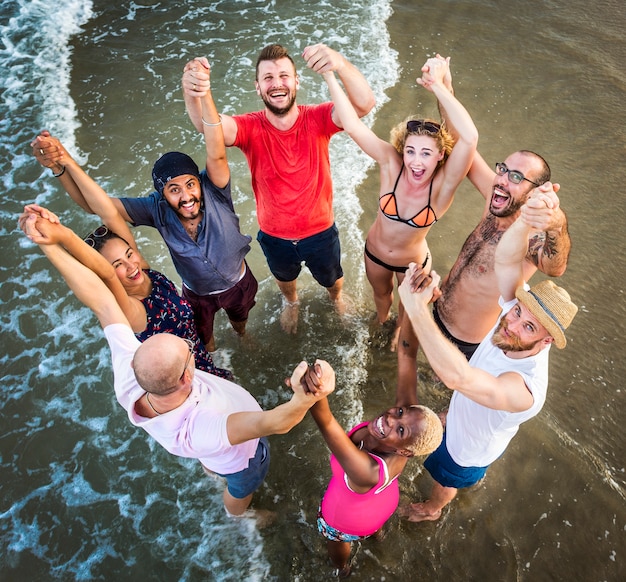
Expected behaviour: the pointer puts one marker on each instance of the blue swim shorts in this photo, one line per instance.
(321, 253)
(333, 534)
(446, 472)
(247, 481)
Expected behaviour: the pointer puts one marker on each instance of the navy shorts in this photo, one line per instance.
(446, 472)
(236, 301)
(321, 253)
(248, 480)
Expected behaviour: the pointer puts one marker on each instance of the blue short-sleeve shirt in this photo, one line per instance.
(213, 262)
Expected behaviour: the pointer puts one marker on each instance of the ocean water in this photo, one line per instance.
(85, 496)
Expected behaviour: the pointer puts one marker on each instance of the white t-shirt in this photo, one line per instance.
(197, 428)
(476, 435)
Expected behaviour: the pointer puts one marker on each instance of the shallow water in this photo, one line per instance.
(85, 496)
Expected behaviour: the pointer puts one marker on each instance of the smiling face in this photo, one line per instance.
(125, 261)
(277, 84)
(421, 157)
(507, 198)
(184, 195)
(397, 428)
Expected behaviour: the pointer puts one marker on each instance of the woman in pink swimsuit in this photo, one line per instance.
(363, 492)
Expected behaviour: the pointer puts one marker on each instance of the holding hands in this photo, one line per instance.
(436, 70)
(40, 225)
(49, 152)
(322, 59)
(197, 77)
(314, 381)
(541, 210)
(418, 290)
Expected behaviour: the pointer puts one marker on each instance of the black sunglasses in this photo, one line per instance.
(100, 232)
(416, 125)
(191, 346)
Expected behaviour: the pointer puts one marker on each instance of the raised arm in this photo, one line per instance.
(51, 153)
(322, 59)
(85, 284)
(505, 392)
(550, 244)
(83, 189)
(434, 74)
(510, 257)
(361, 469)
(480, 174)
(346, 117)
(243, 426)
(197, 86)
(45, 233)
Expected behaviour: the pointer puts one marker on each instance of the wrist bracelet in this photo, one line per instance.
(204, 122)
(60, 173)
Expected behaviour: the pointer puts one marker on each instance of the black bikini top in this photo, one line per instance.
(388, 206)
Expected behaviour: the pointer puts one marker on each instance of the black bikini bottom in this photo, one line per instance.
(376, 260)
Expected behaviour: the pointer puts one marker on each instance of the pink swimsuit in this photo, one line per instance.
(360, 514)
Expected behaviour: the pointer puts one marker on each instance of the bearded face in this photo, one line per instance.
(504, 202)
(507, 341)
(277, 84)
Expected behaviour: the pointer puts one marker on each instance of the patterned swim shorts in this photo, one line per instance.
(333, 534)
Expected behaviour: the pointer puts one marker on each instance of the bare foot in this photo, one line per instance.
(418, 512)
(344, 572)
(340, 305)
(263, 517)
(289, 316)
(394, 340)
(344, 306)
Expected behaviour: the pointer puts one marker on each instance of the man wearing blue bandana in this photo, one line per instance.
(194, 213)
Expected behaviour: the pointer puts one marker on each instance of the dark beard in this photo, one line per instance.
(512, 208)
(280, 111)
(180, 205)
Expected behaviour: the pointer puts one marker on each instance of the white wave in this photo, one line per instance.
(36, 60)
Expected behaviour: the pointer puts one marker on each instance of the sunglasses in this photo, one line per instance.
(514, 176)
(191, 347)
(416, 125)
(100, 232)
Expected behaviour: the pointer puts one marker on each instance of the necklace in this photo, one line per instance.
(150, 405)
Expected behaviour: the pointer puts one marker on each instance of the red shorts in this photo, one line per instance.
(236, 301)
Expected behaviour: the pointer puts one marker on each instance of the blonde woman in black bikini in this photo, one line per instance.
(419, 172)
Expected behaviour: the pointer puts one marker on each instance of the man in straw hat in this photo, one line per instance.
(505, 381)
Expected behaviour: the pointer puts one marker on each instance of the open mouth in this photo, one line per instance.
(278, 93)
(187, 205)
(379, 426)
(499, 197)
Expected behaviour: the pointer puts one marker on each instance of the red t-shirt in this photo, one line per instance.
(290, 171)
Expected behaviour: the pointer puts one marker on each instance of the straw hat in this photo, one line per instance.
(552, 306)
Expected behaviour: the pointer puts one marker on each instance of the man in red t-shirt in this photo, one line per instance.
(286, 146)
